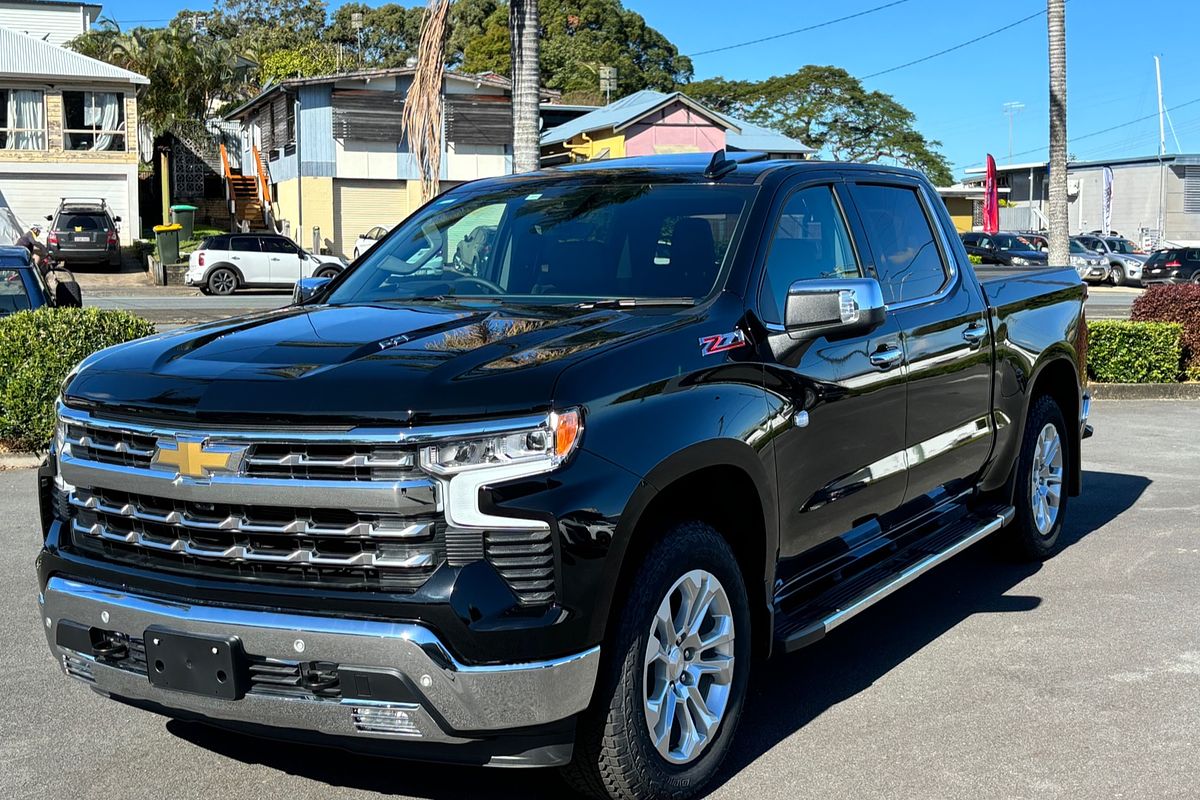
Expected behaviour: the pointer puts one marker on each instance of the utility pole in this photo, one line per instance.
(1011, 109)
(1162, 149)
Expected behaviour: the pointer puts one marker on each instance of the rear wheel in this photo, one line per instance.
(1043, 468)
(222, 281)
(674, 677)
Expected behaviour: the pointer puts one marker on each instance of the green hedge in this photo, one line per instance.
(37, 351)
(1134, 352)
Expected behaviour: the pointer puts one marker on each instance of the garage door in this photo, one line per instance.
(359, 205)
(32, 197)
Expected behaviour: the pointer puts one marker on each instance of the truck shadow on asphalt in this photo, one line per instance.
(830, 672)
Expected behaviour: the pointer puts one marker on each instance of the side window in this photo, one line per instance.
(273, 245)
(244, 244)
(810, 241)
(1192, 255)
(907, 257)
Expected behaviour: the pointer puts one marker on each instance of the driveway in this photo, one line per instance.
(985, 679)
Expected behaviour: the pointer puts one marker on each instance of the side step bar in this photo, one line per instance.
(805, 634)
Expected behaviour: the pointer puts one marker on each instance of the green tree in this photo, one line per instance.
(827, 108)
(468, 22)
(256, 27)
(578, 37)
(314, 58)
(190, 72)
(390, 33)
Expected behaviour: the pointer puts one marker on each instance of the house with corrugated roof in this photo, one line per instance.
(650, 122)
(68, 128)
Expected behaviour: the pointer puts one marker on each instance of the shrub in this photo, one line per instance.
(1168, 303)
(37, 351)
(1134, 352)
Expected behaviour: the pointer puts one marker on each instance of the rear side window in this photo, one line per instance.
(907, 258)
(810, 242)
(244, 244)
(272, 244)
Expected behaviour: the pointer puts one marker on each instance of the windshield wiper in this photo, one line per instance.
(636, 302)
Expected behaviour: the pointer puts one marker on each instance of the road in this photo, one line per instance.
(1072, 680)
(172, 307)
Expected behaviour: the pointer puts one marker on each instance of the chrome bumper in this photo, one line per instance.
(1085, 410)
(470, 701)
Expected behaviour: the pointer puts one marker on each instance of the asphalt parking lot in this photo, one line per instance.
(1079, 678)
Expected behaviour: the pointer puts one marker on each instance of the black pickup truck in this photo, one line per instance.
(551, 508)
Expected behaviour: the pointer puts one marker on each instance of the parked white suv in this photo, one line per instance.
(231, 261)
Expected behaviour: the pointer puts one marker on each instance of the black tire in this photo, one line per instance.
(222, 281)
(1116, 274)
(1027, 541)
(327, 272)
(615, 758)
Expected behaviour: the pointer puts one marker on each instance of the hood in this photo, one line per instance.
(344, 365)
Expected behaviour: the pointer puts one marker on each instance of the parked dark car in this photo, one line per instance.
(1004, 249)
(24, 287)
(84, 232)
(1174, 265)
(683, 413)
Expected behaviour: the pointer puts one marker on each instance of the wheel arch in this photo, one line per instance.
(213, 268)
(723, 484)
(1056, 376)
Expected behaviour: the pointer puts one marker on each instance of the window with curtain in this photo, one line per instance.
(22, 119)
(93, 121)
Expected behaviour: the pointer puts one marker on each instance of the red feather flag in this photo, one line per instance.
(991, 199)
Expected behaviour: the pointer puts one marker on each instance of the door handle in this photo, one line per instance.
(887, 357)
(975, 333)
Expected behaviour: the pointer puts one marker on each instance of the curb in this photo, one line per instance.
(19, 460)
(1144, 391)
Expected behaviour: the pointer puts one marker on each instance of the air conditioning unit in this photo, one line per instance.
(1072, 190)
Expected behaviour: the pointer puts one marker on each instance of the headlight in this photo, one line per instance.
(545, 445)
(1021, 262)
(467, 464)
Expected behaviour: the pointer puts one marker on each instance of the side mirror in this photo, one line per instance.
(306, 288)
(116, 219)
(49, 218)
(833, 307)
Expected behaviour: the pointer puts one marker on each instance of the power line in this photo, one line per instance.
(800, 30)
(1109, 129)
(967, 43)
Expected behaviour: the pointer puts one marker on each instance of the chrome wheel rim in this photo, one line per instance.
(1046, 477)
(688, 667)
(222, 283)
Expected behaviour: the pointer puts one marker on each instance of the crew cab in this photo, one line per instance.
(551, 509)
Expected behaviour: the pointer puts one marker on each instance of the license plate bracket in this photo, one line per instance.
(213, 666)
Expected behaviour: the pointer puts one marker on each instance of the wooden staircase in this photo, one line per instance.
(246, 195)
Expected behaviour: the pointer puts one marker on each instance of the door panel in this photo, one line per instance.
(283, 261)
(840, 455)
(942, 321)
(249, 259)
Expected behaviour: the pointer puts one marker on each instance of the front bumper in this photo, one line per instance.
(422, 696)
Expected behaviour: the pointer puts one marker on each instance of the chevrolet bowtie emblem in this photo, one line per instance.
(193, 459)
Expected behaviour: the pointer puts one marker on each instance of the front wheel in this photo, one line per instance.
(1043, 469)
(674, 676)
(1117, 275)
(327, 272)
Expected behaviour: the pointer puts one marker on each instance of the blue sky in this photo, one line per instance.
(959, 97)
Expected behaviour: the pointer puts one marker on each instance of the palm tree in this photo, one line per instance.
(523, 31)
(1059, 235)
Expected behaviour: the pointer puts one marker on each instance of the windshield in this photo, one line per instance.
(13, 296)
(1013, 243)
(556, 243)
(1077, 247)
(1123, 246)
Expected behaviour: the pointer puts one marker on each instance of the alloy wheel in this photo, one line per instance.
(689, 667)
(1046, 478)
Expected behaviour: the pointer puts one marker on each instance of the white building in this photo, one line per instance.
(68, 128)
(54, 21)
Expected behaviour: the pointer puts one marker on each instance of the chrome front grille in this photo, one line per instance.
(284, 545)
(106, 445)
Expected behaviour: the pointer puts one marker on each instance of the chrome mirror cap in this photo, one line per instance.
(833, 307)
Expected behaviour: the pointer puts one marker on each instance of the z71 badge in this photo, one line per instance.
(711, 345)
